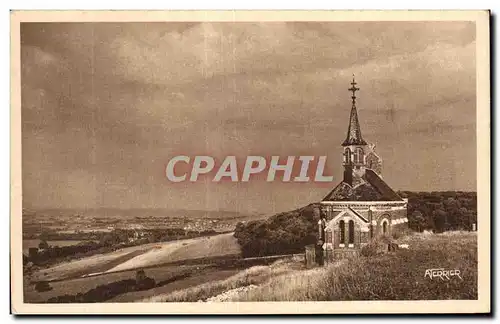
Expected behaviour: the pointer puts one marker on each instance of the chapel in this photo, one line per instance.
(362, 206)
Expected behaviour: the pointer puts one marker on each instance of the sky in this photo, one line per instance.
(105, 106)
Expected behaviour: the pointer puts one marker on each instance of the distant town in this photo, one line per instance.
(135, 224)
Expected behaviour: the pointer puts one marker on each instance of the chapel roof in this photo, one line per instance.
(372, 189)
(359, 215)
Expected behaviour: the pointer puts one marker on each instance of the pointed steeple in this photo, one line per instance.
(354, 130)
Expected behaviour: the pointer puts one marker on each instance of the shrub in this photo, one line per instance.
(377, 246)
(142, 281)
(107, 291)
(140, 275)
(43, 245)
(42, 286)
(373, 248)
(401, 233)
(145, 284)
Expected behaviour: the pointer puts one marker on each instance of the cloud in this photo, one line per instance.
(114, 101)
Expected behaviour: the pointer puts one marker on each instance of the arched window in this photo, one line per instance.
(358, 155)
(347, 154)
(351, 232)
(384, 227)
(342, 231)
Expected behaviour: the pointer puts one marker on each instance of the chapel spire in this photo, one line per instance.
(354, 130)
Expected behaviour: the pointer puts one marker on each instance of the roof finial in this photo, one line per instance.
(353, 89)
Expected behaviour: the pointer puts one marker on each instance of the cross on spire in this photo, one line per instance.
(353, 89)
(354, 131)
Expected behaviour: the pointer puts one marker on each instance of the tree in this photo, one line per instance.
(418, 221)
(109, 239)
(32, 253)
(440, 216)
(43, 245)
(44, 236)
(465, 219)
(140, 275)
(282, 233)
(42, 286)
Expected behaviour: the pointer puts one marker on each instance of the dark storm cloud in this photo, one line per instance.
(105, 105)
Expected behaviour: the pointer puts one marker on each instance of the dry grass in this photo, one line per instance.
(218, 245)
(389, 276)
(394, 276)
(288, 287)
(159, 253)
(252, 276)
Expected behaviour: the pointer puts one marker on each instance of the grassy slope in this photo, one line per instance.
(218, 245)
(394, 276)
(186, 249)
(252, 276)
(398, 276)
(223, 244)
(201, 276)
(82, 285)
(143, 256)
(88, 265)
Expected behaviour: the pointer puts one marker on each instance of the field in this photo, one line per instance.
(388, 276)
(248, 277)
(202, 276)
(146, 255)
(167, 279)
(80, 276)
(89, 265)
(392, 276)
(204, 247)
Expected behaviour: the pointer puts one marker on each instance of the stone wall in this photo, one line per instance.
(396, 219)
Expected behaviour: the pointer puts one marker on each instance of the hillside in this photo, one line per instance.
(398, 275)
(109, 276)
(283, 233)
(289, 232)
(393, 276)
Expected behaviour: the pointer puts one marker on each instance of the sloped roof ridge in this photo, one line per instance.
(335, 188)
(357, 214)
(380, 185)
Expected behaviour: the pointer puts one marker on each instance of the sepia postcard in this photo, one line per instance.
(250, 162)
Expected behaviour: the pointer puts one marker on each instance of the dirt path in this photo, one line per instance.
(93, 264)
(195, 280)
